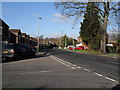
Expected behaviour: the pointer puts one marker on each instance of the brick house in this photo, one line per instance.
(33, 41)
(28, 39)
(23, 38)
(5, 31)
(16, 35)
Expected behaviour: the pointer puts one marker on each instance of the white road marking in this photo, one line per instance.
(68, 65)
(87, 70)
(98, 74)
(111, 79)
(113, 62)
(73, 66)
(44, 71)
(64, 62)
(79, 67)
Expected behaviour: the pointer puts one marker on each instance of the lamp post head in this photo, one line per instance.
(39, 18)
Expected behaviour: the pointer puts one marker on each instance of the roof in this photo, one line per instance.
(23, 33)
(2, 23)
(15, 31)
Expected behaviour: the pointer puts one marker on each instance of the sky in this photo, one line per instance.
(24, 16)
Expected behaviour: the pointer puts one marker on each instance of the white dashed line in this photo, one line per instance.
(111, 79)
(68, 65)
(98, 74)
(87, 70)
(79, 67)
(73, 66)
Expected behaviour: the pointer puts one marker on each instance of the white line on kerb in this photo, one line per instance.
(111, 79)
(98, 74)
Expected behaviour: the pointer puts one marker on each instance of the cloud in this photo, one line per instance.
(58, 15)
(59, 18)
(36, 15)
(55, 35)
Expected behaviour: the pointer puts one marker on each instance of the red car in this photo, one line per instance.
(79, 48)
(71, 48)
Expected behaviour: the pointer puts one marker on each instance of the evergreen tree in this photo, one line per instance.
(90, 31)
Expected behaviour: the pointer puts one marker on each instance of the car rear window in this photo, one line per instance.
(7, 46)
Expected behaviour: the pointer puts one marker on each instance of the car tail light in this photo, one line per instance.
(12, 51)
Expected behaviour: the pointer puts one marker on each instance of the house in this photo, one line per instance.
(23, 38)
(27, 39)
(5, 31)
(16, 33)
(33, 41)
(80, 43)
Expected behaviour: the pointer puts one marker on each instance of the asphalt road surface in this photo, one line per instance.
(103, 65)
(59, 69)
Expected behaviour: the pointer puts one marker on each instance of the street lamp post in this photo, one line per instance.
(65, 42)
(73, 42)
(38, 34)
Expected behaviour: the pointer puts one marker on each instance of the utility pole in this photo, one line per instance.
(38, 34)
(65, 41)
(61, 39)
(73, 42)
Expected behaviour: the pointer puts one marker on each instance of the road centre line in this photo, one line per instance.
(87, 70)
(111, 79)
(79, 67)
(98, 74)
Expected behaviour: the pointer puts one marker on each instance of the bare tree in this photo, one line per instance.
(77, 9)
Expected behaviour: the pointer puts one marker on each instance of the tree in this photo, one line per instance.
(76, 9)
(90, 30)
(64, 41)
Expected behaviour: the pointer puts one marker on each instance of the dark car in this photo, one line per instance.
(16, 51)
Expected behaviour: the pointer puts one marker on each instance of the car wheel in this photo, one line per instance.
(3, 60)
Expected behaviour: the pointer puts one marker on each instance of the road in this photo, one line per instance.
(103, 65)
(60, 69)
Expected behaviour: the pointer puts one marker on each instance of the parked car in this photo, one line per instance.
(71, 48)
(79, 48)
(16, 51)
